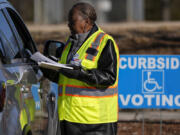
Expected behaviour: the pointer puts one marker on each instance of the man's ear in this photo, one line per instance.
(88, 21)
(88, 24)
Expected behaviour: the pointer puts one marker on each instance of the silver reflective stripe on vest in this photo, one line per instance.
(91, 92)
(90, 57)
(95, 45)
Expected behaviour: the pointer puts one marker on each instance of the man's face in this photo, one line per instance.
(76, 23)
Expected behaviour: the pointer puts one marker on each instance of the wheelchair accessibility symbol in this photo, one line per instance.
(153, 81)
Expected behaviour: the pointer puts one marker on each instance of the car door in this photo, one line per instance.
(24, 108)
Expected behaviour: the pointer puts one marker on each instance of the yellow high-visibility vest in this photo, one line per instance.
(79, 102)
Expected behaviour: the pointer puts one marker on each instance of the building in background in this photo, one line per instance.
(25, 8)
(46, 11)
(55, 11)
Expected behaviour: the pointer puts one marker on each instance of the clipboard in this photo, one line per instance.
(54, 66)
(45, 62)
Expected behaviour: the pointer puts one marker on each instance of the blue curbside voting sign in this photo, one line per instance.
(36, 97)
(54, 88)
(149, 81)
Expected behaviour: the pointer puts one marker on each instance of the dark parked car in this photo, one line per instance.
(23, 106)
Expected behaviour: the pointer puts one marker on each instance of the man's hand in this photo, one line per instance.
(71, 73)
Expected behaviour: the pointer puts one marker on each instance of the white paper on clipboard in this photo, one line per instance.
(54, 66)
(45, 62)
(38, 57)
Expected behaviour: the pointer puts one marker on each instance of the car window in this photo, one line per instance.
(2, 51)
(7, 38)
(26, 41)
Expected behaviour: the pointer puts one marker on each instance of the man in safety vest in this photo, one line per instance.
(88, 93)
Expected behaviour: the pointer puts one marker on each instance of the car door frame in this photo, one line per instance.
(13, 27)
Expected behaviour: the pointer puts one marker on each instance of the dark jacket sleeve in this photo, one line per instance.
(52, 75)
(104, 75)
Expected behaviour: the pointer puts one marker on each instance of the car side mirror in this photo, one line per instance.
(53, 48)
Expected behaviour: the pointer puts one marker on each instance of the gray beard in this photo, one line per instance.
(81, 37)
